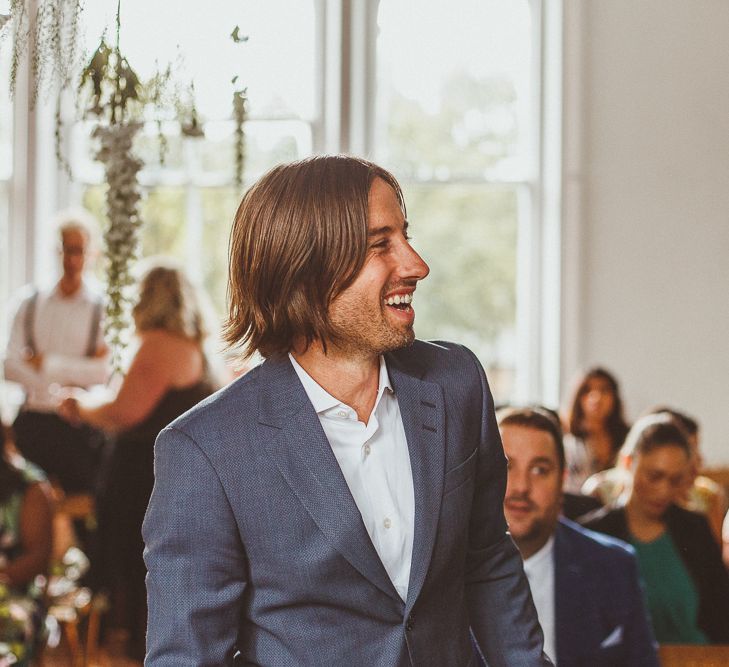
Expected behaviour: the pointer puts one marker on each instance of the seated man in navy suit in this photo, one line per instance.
(585, 585)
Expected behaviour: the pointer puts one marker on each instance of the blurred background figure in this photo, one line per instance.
(56, 339)
(701, 494)
(168, 374)
(585, 585)
(25, 548)
(594, 426)
(680, 562)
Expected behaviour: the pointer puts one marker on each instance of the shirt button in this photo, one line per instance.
(342, 413)
(367, 450)
(387, 523)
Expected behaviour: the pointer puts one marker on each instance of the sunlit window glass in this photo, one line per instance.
(454, 116)
(190, 196)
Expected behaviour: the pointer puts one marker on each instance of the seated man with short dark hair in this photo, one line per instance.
(585, 585)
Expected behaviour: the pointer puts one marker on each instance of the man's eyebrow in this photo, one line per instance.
(541, 459)
(386, 229)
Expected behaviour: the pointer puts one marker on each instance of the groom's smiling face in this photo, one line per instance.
(375, 313)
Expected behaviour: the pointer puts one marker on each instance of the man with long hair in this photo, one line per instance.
(341, 504)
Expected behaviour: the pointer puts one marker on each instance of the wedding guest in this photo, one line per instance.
(56, 339)
(168, 375)
(701, 494)
(585, 585)
(25, 548)
(594, 426)
(679, 559)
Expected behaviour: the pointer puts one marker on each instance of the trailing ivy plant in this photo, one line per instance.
(52, 45)
(240, 112)
(113, 94)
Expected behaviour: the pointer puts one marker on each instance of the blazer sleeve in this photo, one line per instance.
(641, 645)
(702, 556)
(195, 560)
(501, 611)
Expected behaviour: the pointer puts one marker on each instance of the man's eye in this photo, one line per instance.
(380, 244)
(540, 471)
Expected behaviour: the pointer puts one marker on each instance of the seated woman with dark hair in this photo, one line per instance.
(25, 547)
(680, 562)
(168, 375)
(594, 426)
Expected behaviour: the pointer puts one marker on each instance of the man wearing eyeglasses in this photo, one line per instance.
(56, 340)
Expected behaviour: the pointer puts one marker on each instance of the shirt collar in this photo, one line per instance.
(84, 292)
(545, 553)
(322, 400)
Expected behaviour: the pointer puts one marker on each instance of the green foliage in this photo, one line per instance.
(461, 138)
(464, 227)
(467, 235)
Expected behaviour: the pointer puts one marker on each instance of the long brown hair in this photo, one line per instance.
(615, 424)
(298, 240)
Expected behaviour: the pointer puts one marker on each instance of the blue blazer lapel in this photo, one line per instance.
(300, 449)
(422, 410)
(569, 610)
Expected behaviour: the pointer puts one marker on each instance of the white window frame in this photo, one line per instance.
(346, 31)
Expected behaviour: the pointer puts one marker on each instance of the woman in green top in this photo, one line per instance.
(687, 587)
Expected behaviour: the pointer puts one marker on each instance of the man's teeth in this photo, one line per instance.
(399, 299)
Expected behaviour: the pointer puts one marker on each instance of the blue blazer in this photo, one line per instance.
(600, 612)
(254, 543)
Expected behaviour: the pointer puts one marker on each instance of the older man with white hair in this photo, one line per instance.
(56, 340)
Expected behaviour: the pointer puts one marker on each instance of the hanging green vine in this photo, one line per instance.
(240, 112)
(53, 45)
(114, 95)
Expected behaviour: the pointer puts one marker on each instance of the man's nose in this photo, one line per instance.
(412, 265)
(517, 483)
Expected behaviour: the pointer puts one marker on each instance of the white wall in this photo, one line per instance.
(653, 173)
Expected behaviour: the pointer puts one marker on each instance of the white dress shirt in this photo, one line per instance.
(61, 330)
(375, 461)
(539, 570)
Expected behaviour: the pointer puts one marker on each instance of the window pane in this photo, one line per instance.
(277, 63)
(190, 199)
(219, 206)
(454, 119)
(446, 111)
(467, 234)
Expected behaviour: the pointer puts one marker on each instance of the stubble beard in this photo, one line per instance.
(368, 332)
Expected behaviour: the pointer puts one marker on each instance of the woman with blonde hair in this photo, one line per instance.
(167, 376)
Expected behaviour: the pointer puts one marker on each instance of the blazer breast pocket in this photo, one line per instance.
(460, 474)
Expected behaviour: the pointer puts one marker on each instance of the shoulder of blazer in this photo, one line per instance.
(595, 554)
(692, 535)
(433, 360)
(608, 520)
(239, 397)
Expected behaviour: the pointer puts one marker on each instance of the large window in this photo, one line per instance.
(190, 196)
(455, 118)
(447, 97)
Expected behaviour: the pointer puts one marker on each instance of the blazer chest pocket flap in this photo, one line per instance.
(461, 473)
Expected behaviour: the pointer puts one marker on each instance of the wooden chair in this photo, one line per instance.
(73, 607)
(676, 655)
